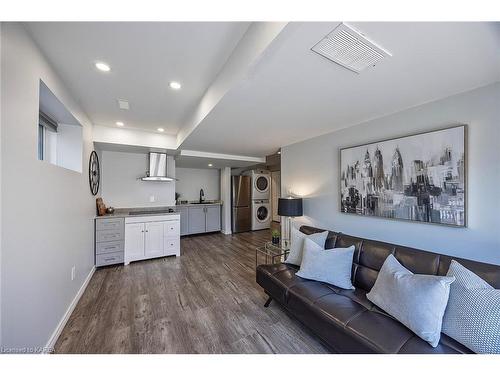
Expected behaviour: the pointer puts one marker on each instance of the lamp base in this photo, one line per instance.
(288, 230)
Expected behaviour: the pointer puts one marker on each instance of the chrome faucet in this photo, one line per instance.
(202, 195)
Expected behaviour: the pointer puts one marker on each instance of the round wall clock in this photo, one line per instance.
(94, 173)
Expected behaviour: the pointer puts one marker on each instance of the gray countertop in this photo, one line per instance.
(163, 210)
(199, 204)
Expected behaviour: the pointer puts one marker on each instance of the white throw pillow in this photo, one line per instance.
(417, 301)
(472, 316)
(332, 266)
(297, 244)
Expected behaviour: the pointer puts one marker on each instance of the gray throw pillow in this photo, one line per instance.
(417, 301)
(331, 266)
(472, 316)
(297, 244)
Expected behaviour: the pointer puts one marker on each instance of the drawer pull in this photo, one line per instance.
(110, 247)
(108, 259)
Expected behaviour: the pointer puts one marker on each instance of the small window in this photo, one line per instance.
(47, 138)
(60, 137)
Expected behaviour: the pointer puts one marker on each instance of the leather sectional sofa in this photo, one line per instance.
(345, 320)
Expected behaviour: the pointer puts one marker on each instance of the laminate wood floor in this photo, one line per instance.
(205, 301)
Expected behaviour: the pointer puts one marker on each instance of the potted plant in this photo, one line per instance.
(275, 237)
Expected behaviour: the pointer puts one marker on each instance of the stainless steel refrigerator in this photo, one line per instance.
(241, 202)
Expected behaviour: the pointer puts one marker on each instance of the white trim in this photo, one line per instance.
(213, 155)
(55, 335)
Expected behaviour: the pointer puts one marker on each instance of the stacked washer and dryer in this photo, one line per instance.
(250, 201)
(261, 195)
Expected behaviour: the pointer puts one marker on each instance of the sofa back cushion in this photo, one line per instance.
(369, 255)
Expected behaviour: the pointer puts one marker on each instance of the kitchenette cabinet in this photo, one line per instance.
(108, 247)
(201, 218)
(196, 220)
(149, 237)
(212, 218)
(183, 212)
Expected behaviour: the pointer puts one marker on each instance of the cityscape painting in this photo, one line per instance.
(419, 178)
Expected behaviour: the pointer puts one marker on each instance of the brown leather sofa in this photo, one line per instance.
(345, 320)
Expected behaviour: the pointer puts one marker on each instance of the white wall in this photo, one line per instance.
(225, 188)
(47, 211)
(310, 169)
(69, 147)
(191, 180)
(120, 184)
(134, 137)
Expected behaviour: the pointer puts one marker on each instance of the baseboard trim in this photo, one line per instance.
(55, 335)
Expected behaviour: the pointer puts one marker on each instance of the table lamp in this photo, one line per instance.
(289, 207)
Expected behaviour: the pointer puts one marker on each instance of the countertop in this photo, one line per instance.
(125, 212)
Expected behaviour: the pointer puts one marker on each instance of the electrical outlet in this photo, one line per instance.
(73, 273)
(151, 198)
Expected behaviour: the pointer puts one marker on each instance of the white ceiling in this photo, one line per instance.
(144, 57)
(295, 94)
(289, 93)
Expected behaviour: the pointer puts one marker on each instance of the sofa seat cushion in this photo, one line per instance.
(446, 346)
(311, 291)
(359, 296)
(327, 316)
(277, 278)
(380, 332)
(339, 309)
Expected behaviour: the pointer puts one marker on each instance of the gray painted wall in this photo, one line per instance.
(310, 169)
(121, 188)
(191, 180)
(47, 211)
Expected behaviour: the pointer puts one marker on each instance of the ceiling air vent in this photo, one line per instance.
(350, 48)
(123, 104)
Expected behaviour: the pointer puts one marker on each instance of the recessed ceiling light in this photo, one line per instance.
(103, 67)
(119, 123)
(210, 165)
(175, 85)
(161, 130)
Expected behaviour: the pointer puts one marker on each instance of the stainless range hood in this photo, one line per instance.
(157, 168)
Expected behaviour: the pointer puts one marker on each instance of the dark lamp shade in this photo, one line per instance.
(290, 206)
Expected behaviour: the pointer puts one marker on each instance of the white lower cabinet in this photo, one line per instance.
(151, 237)
(134, 241)
(153, 241)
